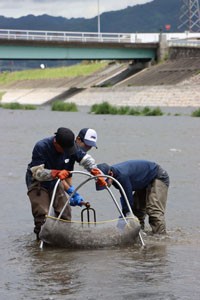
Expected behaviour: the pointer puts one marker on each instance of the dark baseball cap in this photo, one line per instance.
(66, 139)
(105, 168)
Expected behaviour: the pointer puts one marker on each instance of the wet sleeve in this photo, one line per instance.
(41, 174)
(88, 162)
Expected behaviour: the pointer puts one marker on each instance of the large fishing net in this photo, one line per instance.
(86, 235)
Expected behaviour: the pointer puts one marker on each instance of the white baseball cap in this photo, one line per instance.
(88, 136)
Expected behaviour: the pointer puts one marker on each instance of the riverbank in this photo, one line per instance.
(171, 96)
(182, 95)
(84, 91)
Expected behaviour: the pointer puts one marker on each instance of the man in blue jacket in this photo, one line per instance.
(52, 158)
(149, 182)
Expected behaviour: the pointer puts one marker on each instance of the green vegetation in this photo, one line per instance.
(15, 105)
(103, 109)
(196, 113)
(106, 108)
(62, 106)
(82, 69)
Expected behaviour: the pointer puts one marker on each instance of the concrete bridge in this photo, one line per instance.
(54, 45)
(73, 45)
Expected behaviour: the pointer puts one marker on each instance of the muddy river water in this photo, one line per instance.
(168, 269)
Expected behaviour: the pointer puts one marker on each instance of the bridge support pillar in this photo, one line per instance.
(163, 48)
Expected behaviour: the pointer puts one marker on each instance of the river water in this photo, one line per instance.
(169, 267)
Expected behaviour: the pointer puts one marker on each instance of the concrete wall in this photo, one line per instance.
(183, 52)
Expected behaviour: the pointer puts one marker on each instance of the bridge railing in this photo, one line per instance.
(103, 37)
(64, 36)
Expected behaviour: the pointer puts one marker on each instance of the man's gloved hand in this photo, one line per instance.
(61, 174)
(95, 172)
(100, 180)
(70, 190)
(76, 200)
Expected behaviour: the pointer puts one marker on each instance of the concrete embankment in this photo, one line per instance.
(180, 95)
(185, 94)
(174, 84)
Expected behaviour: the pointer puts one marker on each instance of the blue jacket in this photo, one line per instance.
(133, 175)
(44, 152)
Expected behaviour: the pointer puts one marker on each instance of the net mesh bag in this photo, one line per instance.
(77, 234)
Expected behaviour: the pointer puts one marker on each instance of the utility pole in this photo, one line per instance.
(190, 16)
(98, 17)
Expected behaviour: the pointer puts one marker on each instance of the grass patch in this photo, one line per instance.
(52, 73)
(146, 111)
(15, 105)
(196, 113)
(103, 109)
(62, 106)
(106, 108)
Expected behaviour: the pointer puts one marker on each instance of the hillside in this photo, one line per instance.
(149, 17)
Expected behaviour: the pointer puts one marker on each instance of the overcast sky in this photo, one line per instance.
(65, 8)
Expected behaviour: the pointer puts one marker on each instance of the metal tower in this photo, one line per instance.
(190, 16)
